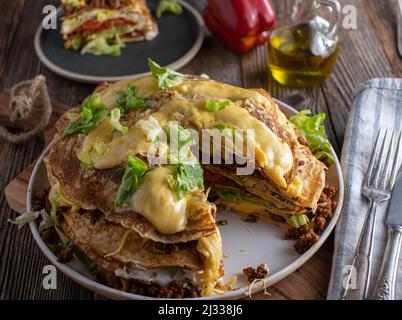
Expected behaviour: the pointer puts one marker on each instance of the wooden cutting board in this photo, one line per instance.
(16, 190)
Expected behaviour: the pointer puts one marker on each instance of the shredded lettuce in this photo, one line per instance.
(115, 121)
(165, 77)
(188, 178)
(214, 106)
(313, 130)
(93, 112)
(171, 6)
(175, 131)
(236, 195)
(100, 46)
(30, 216)
(297, 221)
(150, 127)
(127, 100)
(135, 170)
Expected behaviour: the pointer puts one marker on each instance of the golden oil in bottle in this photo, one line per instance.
(300, 55)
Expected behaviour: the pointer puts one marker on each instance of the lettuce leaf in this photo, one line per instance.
(171, 6)
(313, 130)
(214, 106)
(135, 170)
(93, 112)
(297, 221)
(236, 195)
(100, 46)
(115, 121)
(127, 100)
(188, 178)
(165, 77)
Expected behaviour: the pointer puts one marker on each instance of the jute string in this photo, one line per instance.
(25, 98)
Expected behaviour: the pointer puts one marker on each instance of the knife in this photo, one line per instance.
(399, 32)
(385, 286)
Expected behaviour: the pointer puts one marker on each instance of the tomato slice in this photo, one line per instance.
(93, 24)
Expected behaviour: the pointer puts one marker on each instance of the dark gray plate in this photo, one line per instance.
(180, 37)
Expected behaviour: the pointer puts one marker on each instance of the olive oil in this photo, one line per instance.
(300, 55)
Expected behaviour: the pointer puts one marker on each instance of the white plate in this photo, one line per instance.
(244, 244)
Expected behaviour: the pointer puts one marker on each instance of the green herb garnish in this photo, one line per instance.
(165, 77)
(188, 178)
(313, 130)
(214, 106)
(127, 100)
(135, 170)
(93, 112)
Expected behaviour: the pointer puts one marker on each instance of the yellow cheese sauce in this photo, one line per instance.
(156, 201)
(154, 198)
(211, 248)
(144, 87)
(272, 154)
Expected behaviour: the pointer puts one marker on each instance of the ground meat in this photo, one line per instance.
(41, 200)
(65, 255)
(260, 273)
(222, 222)
(50, 235)
(305, 241)
(325, 209)
(250, 218)
(176, 289)
(294, 234)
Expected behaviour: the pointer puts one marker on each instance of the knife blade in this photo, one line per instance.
(399, 31)
(394, 217)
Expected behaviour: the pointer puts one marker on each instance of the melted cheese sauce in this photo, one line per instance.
(154, 198)
(156, 201)
(272, 154)
(211, 248)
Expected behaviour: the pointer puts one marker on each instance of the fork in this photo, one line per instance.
(377, 187)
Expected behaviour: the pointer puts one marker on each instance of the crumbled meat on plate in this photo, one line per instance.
(261, 272)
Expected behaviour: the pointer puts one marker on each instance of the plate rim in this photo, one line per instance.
(236, 294)
(177, 64)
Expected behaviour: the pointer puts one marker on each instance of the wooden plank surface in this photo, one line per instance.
(367, 52)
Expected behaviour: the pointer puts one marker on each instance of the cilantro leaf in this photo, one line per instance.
(214, 106)
(165, 77)
(135, 170)
(127, 100)
(313, 130)
(188, 178)
(93, 112)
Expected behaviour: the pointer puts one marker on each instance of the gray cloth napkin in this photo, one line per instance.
(377, 104)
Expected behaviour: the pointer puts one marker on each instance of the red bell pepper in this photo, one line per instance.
(240, 24)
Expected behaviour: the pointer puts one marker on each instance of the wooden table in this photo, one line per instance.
(368, 52)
